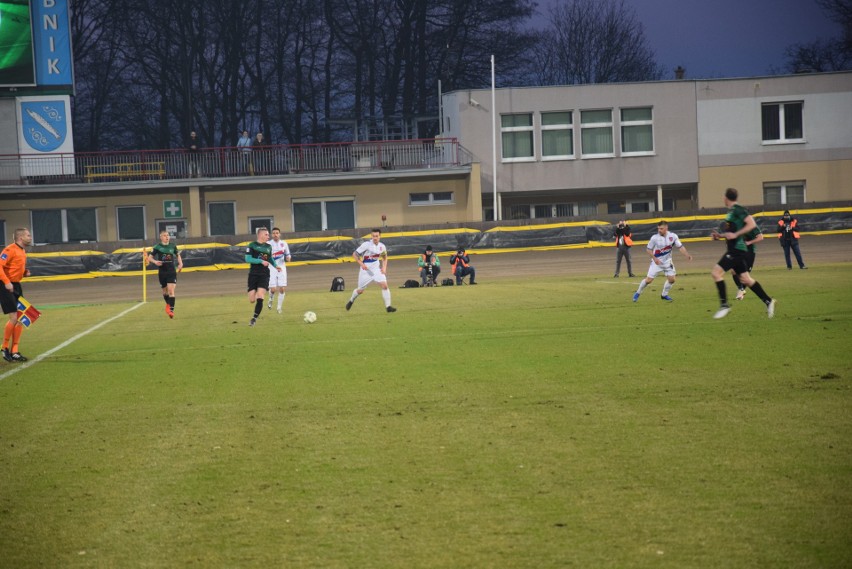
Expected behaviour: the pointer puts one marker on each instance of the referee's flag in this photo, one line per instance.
(27, 313)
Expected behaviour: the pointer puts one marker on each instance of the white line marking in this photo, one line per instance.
(48, 353)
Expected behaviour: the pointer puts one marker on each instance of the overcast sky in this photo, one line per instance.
(726, 38)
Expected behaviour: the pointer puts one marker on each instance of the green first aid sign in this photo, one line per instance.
(173, 209)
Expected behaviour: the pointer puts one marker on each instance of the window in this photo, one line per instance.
(517, 212)
(256, 223)
(64, 225)
(596, 129)
(782, 122)
(669, 204)
(222, 218)
(637, 131)
(175, 227)
(543, 211)
(319, 215)
(783, 193)
(565, 210)
(588, 208)
(557, 135)
(616, 207)
(430, 198)
(517, 137)
(131, 222)
(640, 207)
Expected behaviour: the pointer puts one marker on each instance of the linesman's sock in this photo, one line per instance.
(7, 333)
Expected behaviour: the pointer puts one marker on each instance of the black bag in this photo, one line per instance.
(411, 283)
(447, 282)
(337, 284)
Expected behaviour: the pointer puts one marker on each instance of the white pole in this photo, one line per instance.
(440, 111)
(494, 141)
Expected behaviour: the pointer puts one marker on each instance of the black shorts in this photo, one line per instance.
(167, 277)
(735, 261)
(750, 257)
(9, 300)
(257, 281)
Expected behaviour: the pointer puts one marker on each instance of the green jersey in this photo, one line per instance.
(167, 254)
(256, 253)
(734, 221)
(750, 236)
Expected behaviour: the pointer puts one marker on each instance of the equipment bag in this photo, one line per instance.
(447, 282)
(411, 283)
(337, 284)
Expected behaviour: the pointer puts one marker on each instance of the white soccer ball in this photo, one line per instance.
(310, 317)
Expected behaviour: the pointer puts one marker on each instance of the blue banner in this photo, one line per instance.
(52, 33)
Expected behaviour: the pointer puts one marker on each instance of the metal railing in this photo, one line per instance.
(142, 165)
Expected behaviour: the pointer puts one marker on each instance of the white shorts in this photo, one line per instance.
(372, 274)
(666, 268)
(277, 279)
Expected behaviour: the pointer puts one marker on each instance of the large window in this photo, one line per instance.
(131, 222)
(320, 215)
(64, 225)
(517, 136)
(256, 223)
(596, 128)
(637, 131)
(588, 208)
(783, 193)
(222, 218)
(782, 122)
(557, 135)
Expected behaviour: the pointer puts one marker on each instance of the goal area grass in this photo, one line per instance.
(537, 422)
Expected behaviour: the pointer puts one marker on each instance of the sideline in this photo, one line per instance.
(48, 353)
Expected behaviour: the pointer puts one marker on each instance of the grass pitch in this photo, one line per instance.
(534, 423)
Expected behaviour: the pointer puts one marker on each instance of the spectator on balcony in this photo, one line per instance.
(258, 143)
(193, 149)
(244, 146)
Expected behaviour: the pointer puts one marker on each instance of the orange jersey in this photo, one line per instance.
(13, 264)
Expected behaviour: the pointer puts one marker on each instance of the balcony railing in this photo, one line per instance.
(142, 165)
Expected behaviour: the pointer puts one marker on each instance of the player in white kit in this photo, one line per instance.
(660, 250)
(372, 256)
(278, 280)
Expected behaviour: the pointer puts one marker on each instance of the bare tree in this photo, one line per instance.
(826, 54)
(593, 41)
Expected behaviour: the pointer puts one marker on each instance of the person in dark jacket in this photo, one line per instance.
(462, 267)
(623, 242)
(788, 234)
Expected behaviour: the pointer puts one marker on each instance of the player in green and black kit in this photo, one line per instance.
(738, 223)
(259, 258)
(750, 239)
(163, 255)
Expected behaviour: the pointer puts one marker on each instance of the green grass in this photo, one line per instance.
(525, 423)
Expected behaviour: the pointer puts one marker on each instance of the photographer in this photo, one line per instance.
(430, 267)
(623, 242)
(462, 267)
(788, 234)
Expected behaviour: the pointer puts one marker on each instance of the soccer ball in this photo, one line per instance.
(310, 317)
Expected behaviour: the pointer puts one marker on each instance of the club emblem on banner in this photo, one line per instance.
(44, 124)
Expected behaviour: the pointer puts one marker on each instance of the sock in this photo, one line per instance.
(271, 296)
(258, 307)
(386, 296)
(354, 295)
(642, 286)
(7, 333)
(723, 295)
(761, 294)
(737, 282)
(666, 288)
(16, 337)
(171, 302)
(281, 296)
(166, 297)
